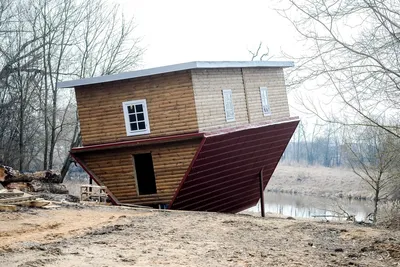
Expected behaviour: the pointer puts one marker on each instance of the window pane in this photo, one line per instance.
(132, 117)
(142, 125)
(140, 117)
(139, 108)
(228, 105)
(131, 109)
(134, 127)
(264, 101)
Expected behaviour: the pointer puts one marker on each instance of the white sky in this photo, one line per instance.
(179, 31)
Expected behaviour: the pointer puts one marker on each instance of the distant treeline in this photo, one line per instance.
(321, 151)
(316, 145)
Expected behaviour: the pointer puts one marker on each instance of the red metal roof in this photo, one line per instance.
(223, 176)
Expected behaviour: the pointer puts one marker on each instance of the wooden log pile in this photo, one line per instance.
(12, 200)
(47, 181)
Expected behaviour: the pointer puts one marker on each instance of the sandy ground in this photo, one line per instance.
(116, 236)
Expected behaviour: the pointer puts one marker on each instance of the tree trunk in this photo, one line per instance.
(376, 199)
(39, 186)
(46, 94)
(76, 141)
(375, 209)
(9, 175)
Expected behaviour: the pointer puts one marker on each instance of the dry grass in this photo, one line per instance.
(318, 181)
(389, 214)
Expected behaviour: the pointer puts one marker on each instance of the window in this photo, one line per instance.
(264, 101)
(228, 104)
(136, 118)
(144, 173)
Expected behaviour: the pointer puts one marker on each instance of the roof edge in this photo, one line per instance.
(174, 68)
(137, 142)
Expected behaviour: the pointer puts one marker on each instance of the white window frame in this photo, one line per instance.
(228, 105)
(129, 132)
(265, 106)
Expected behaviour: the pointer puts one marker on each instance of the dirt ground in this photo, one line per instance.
(77, 235)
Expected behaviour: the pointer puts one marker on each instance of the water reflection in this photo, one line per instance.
(308, 206)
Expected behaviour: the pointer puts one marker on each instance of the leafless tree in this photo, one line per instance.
(373, 154)
(45, 42)
(351, 53)
(258, 54)
(88, 38)
(19, 75)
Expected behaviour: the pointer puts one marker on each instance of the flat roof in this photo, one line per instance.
(176, 67)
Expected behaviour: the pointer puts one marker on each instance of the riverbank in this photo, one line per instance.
(292, 179)
(319, 181)
(81, 235)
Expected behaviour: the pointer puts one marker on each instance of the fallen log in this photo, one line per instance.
(39, 186)
(18, 186)
(9, 175)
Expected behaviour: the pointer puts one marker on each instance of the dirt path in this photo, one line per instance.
(111, 236)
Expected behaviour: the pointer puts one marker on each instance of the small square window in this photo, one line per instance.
(140, 117)
(132, 117)
(131, 109)
(142, 125)
(134, 127)
(136, 117)
(139, 108)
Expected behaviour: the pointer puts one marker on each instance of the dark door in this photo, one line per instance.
(145, 178)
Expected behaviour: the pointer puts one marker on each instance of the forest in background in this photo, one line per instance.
(42, 43)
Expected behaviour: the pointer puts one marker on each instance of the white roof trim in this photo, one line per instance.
(176, 67)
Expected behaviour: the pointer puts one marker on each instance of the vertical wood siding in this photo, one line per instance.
(245, 85)
(116, 170)
(170, 102)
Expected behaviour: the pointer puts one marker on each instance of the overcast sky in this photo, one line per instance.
(178, 31)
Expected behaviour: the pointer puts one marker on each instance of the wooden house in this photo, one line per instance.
(192, 136)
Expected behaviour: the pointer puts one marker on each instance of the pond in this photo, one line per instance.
(313, 207)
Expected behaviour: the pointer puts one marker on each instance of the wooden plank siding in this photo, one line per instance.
(115, 169)
(208, 85)
(170, 102)
(274, 80)
(245, 85)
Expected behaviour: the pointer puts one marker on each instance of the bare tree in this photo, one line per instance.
(87, 39)
(255, 55)
(43, 43)
(373, 154)
(19, 75)
(107, 43)
(352, 54)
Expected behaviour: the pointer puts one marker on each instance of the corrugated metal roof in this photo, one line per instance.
(224, 176)
(176, 67)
